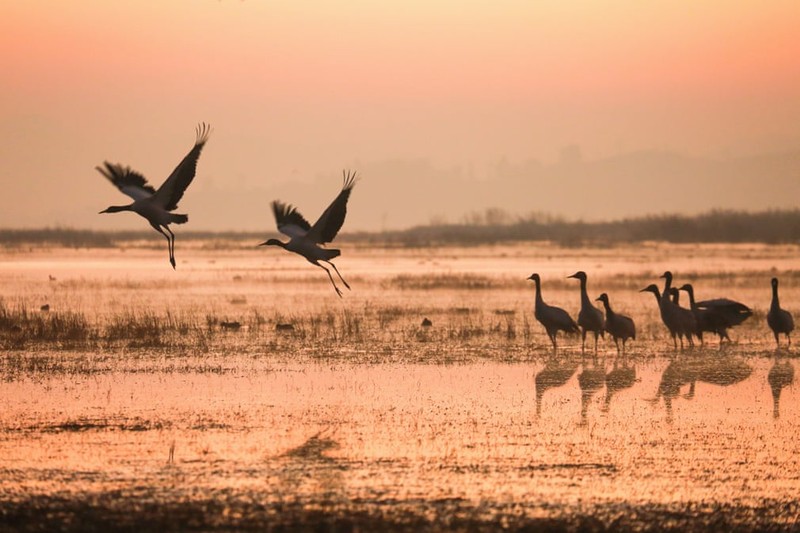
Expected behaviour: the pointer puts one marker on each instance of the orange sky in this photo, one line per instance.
(298, 90)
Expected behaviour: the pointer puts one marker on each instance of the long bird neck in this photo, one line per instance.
(657, 295)
(667, 287)
(119, 208)
(539, 300)
(584, 295)
(608, 308)
(690, 290)
(776, 302)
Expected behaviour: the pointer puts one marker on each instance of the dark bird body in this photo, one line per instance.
(678, 323)
(554, 319)
(590, 318)
(305, 239)
(157, 205)
(620, 327)
(717, 315)
(779, 320)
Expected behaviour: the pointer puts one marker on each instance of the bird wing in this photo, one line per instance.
(127, 181)
(171, 191)
(330, 222)
(290, 222)
(723, 303)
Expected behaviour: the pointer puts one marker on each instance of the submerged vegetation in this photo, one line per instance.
(490, 226)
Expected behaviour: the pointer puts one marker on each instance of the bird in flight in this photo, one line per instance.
(157, 205)
(305, 239)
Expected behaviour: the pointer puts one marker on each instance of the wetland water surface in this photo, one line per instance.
(359, 417)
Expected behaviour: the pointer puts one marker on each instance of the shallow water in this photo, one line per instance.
(427, 422)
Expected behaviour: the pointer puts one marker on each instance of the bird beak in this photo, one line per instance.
(263, 243)
(103, 211)
(643, 290)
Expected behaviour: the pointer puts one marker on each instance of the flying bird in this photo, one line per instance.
(157, 205)
(307, 240)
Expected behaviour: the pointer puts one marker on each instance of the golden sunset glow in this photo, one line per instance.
(296, 91)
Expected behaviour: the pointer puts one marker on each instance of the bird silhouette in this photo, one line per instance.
(554, 319)
(305, 239)
(157, 205)
(590, 318)
(779, 320)
(620, 327)
(717, 315)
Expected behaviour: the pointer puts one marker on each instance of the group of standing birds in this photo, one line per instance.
(156, 207)
(708, 316)
(590, 318)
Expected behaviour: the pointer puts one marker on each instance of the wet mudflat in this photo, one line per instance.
(359, 417)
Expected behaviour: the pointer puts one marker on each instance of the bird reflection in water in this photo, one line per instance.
(723, 371)
(620, 377)
(555, 374)
(590, 380)
(780, 375)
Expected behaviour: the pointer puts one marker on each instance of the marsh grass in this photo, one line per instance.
(20, 327)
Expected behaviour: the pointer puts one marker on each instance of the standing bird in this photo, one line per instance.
(674, 317)
(619, 326)
(779, 321)
(156, 205)
(590, 318)
(305, 239)
(716, 315)
(554, 319)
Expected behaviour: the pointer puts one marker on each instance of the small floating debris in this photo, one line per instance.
(232, 325)
(284, 327)
(239, 300)
(237, 277)
(45, 308)
(505, 312)
(426, 322)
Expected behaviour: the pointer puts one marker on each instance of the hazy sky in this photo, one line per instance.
(296, 91)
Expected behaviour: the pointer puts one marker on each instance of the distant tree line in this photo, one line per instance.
(723, 226)
(492, 226)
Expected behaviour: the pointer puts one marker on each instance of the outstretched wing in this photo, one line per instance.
(290, 222)
(171, 191)
(127, 181)
(330, 222)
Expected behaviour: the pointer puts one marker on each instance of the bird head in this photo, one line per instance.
(581, 275)
(667, 275)
(651, 288)
(602, 298)
(534, 277)
(774, 283)
(686, 287)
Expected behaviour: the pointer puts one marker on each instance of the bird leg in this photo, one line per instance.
(171, 246)
(169, 243)
(328, 272)
(338, 274)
